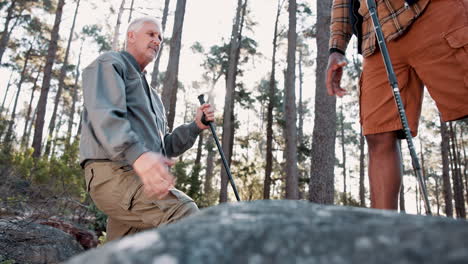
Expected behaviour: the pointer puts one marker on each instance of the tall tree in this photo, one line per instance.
(6, 93)
(169, 93)
(446, 189)
(61, 83)
(27, 56)
(154, 75)
(343, 152)
(42, 104)
(402, 187)
(28, 118)
(6, 28)
(74, 98)
(292, 183)
(115, 39)
(271, 103)
(456, 176)
(362, 188)
(321, 184)
(228, 115)
(131, 11)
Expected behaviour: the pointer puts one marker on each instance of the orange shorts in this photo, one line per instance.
(432, 53)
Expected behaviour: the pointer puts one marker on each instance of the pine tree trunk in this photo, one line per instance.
(402, 187)
(6, 30)
(292, 186)
(42, 104)
(423, 172)
(154, 75)
(115, 40)
(228, 122)
(300, 133)
(54, 142)
(78, 133)
(437, 193)
(402, 197)
(343, 153)
(131, 12)
(6, 93)
(33, 120)
(457, 182)
(208, 185)
(63, 72)
(324, 133)
(74, 98)
(362, 188)
(271, 102)
(28, 118)
(169, 93)
(8, 138)
(465, 163)
(445, 149)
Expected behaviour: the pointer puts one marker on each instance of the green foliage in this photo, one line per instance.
(8, 261)
(190, 184)
(100, 220)
(94, 32)
(195, 183)
(346, 199)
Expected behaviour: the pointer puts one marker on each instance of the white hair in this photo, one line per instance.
(137, 24)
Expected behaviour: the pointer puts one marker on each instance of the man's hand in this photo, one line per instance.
(336, 62)
(206, 109)
(153, 171)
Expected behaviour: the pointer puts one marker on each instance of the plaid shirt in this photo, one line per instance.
(394, 15)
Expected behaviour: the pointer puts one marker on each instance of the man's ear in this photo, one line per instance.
(131, 36)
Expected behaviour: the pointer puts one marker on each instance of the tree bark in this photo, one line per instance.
(131, 11)
(63, 72)
(362, 188)
(115, 40)
(465, 163)
(8, 138)
(28, 118)
(437, 192)
(154, 75)
(292, 186)
(74, 98)
(446, 185)
(271, 103)
(54, 142)
(343, 154)
(323, 136)
(457, 181)
(228, 122)
(42, 104)
(169, 93)
(6, 30)
(300, 133)
(6, 93)
(402, 197)
(208, 185)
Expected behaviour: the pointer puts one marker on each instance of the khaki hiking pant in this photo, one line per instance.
(117, 191)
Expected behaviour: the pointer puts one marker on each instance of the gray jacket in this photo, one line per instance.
(123, 117)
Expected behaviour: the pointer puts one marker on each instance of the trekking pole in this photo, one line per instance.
(371, 5)
(220, 149)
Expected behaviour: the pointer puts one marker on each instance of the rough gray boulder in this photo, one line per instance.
(23, 241)
(292, 232)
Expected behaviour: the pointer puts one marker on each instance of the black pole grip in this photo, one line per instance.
(201, 98)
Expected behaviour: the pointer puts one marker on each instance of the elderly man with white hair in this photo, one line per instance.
(125, 148)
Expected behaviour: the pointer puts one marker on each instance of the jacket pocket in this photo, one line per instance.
(458, 40)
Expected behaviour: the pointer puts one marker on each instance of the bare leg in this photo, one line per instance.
(384, 170)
